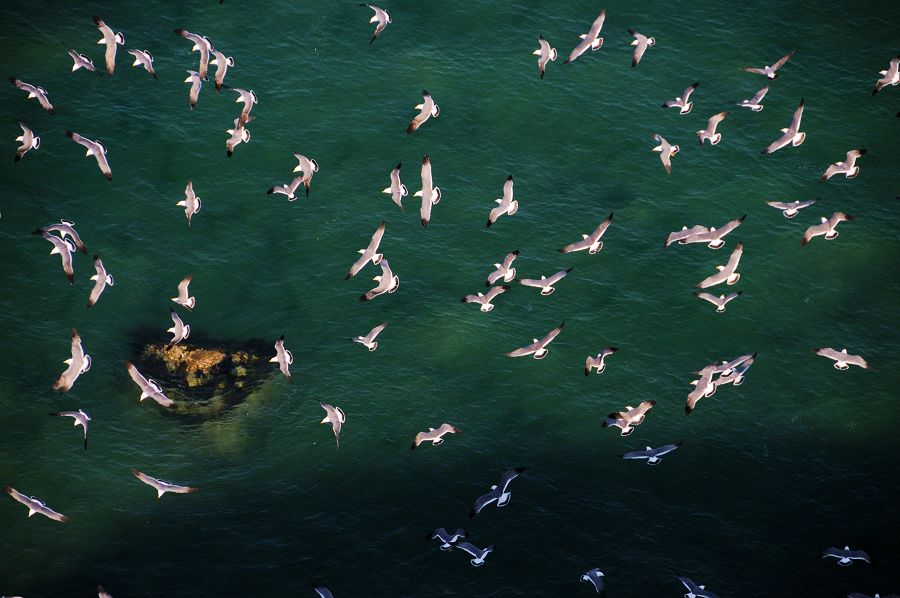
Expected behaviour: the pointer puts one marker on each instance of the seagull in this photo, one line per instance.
(162, 486)
(29, 141)
(537, 347)
(681, 101)
(726, 368)
(652, 455)
(506, 205)
(240, 134)
(719, 301)
(222, 63)
(681, 236)
(726, 273)
(322, 591)
(546, 284)
(826, 227)
(387, 282)
(545, 54)
(713, 237)
(754, 102)
(101, 280)
(846, 556)
(595, 577)
(196, 81)
(591, 39)
(848, 167)
(110, 40)
(485, 298)
(283, 358)
(769, 71)
(710, 131)
(150, 388)
(842, 359)
(179, 330)
(479, 554)
(592, 241)
(368, 341)
(642, 42)
(65, 229)
(598, 362)
(202, 45)
(891, 75)
(498, 492)
(143, 58)
(429, 193)
(335, 416)
(858, 595)
(94, 148)
(695, 591)
(34, 91)
(791, 134)
(81, 419)
(78, 364)
(381, 16)
(183, 299)
(704, 387)
(101, 593)
(289, 190)
(426, 109)
(370, 253)
(447, 538)
(248, 99)
(628, 419)
(435, 436)
(666, 151)
(397, 190)
(191, 202)
(307, 167)
(82, 62)
(64, 248)
(736, 374)
(791, 209)
(504, 270)
(35, 506)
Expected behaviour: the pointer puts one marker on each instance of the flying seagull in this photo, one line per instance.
(479, 554)
(368, 341)
(498, 493)
(101, 279)
(370, 253)
(769, 71)
(727, 273)
(34, 91)
(241, 134)
(859, 595)
(592, 241)
(725, 368)
(179, 329)
(713, 237)
(81, 419)
(94, 148)
(397, 190)
(721, 301)
(150, 388)
(506, 205)
(826, 227)
(429, 193)
(710, 131)
(283, 358)
(190, 203)
(202, 45)
(29, 141)
(891, 76)
(64, 248)
(335, 416)
(842, 359)
(736, 374)
(381, 16)
(248, 99)
(628, 419)
(791, 134)
(504, 270)
(110, 40)
(848, 167)
(435, 436)
(682, 236)
(485, 298)
(545, 54)
(845, 556)
(80, 61)
(641, 43)
(65, 228)
(387, 282)
(447, 539)
(704, 387)
(78, 364)
(666, 151)
(183, 299)
(101, 593)
(598, 362)
(322, 591)
(546, 283)
(792, 208)
(682, 102)
(162, 486)
(538, 347)
(222, 63)
(595, 577)
(35, 505)
(754, 102)
(695, 591)
(143, 58)
(196, 81)
(652, 455)
(306, 166)
(591, 39)
(426, 109)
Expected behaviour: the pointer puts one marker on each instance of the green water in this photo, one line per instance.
(798, 458)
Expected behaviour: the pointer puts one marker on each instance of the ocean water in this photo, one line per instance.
(798, 458)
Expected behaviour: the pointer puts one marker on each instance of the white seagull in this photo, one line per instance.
(143, 58)
(484, 299)
(848, 167)
(842, 359)
(283, 358)
(754, 102)
(248, 99)
(183, 299)
(791, 208)
(370, 253)
(94, 148)
(239, 134)
(81, 419)
(710, 131)
(29, 141)
(80, 61)
(387, 282)
(727, 273)
(598, 362)
(190, 203)
(681, 236)
(704, 387)
(506, 205)
(101, 279)
(368, 341)
(65, 228)
(335, 416)
(306, 166)
(591, 39)
(162, 486)
(150, 388)
(891, 76)
(641, 43)
(34, 91)
(545, 283)
(429, 193)
(652, 455)
(397, 190)
(545, 54)
(288, 190)
(435, 436)
(322, 591)
(221, 63)
(479, 554)
(769, 71)
(179, 329)
(426, 109)
(202, 45)
(628, 419)
(682, 102)
(78, 364)
(64, 248)
(666, 151)
(595, 577)
(714, 236)
(35, 505)
(110, 40)
(498, 493)
(845, 556)
(381, 16)
(592, 241)
(447, 539)
(721, 301)
(791, 134)
(538, 347)
(504, 270)
(695, 591)
(196, 81)
(826, 227)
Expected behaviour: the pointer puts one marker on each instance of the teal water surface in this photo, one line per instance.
(798, 458)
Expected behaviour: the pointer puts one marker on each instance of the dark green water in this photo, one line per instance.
(798, 458)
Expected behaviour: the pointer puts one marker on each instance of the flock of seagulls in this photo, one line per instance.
(66, 242)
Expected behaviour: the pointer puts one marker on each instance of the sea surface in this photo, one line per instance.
(798, 458)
